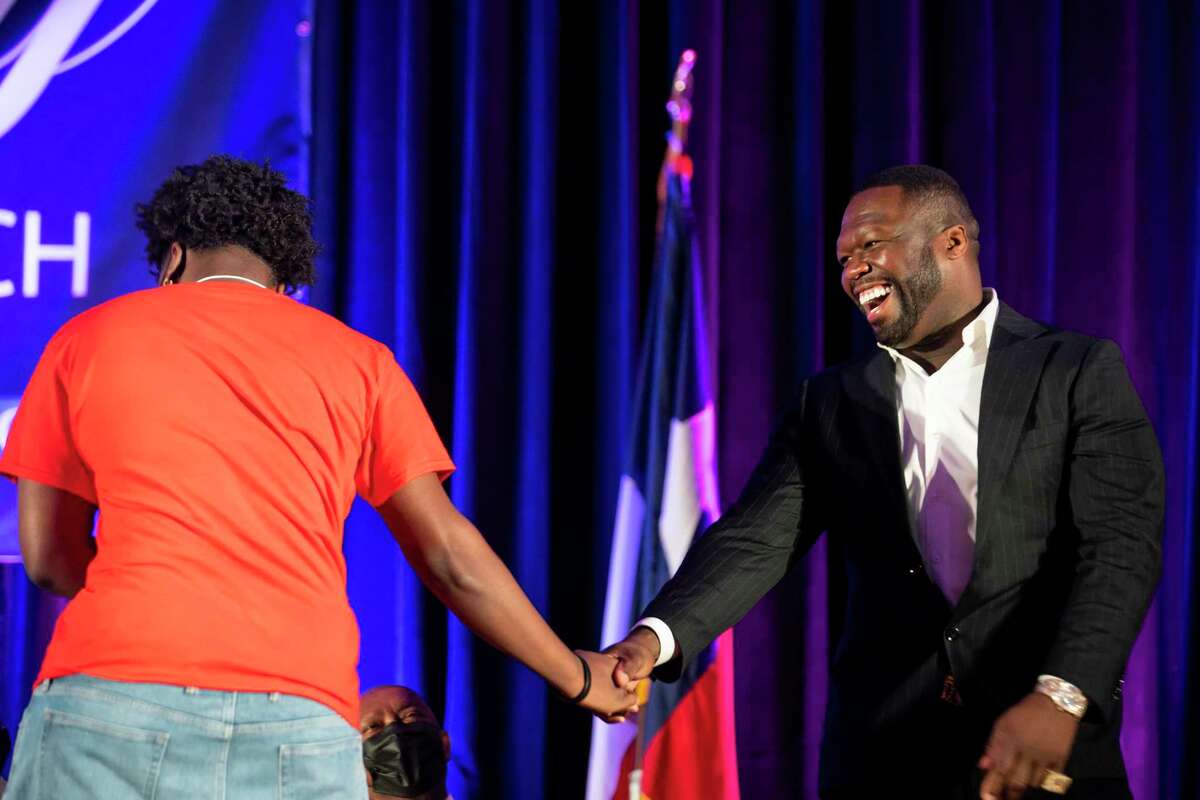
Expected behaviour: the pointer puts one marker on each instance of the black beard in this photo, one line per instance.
(913, 295)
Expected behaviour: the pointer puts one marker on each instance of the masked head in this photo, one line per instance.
(405, 750)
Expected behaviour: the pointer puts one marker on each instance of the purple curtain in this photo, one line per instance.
(1072, 128)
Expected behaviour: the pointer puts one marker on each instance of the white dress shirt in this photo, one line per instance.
(938, 415)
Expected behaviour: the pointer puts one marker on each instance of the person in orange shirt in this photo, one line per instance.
(222, 430)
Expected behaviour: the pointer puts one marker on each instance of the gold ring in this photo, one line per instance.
(1054, 782)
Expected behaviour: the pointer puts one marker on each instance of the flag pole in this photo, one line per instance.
(675, 162)
(639, 747)
(679, 109)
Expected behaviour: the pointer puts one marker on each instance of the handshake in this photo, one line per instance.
(611, 678)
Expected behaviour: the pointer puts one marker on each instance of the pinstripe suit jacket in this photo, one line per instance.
(1067, 552)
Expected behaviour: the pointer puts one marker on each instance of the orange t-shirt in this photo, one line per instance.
(223, 431)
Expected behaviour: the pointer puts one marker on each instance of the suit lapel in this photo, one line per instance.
(1010, 379)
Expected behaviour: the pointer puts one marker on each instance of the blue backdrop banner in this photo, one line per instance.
(99, 99)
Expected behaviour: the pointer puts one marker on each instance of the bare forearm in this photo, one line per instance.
(476, 585)
(456, 563)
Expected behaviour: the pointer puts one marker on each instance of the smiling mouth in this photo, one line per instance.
(874, 299)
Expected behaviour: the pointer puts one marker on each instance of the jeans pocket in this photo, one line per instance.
(81, 757)
(329, 770)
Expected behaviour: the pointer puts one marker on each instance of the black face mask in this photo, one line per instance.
(405, 760)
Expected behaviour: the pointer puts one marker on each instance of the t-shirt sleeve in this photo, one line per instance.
(41, 445)
(402, 442)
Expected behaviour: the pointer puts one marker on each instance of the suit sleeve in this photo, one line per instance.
(1115, 484)
(744, 553)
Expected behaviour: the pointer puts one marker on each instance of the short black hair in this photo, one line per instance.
(229, 201)
(935, 194)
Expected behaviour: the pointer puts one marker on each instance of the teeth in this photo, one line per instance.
(873, 293)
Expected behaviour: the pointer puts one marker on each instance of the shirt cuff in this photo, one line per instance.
(666, 640)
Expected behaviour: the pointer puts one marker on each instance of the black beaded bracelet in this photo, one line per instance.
(587, 682)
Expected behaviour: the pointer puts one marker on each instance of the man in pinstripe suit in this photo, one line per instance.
(992, 490)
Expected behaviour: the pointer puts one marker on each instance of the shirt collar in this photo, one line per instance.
(977, 335)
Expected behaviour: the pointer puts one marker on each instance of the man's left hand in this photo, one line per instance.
(1028, 739)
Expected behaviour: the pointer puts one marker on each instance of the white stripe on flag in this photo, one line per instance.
(609, 742)
(680, 512)
(704, 440)
(687, 486)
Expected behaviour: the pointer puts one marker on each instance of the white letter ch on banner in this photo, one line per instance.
(36, 252)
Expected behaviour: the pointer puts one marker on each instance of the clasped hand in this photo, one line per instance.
(616, 673)
(606, 699)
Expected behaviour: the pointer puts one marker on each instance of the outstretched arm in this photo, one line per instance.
(454, 560)
(733, 564)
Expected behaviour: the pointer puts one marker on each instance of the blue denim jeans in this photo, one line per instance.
(83, 737)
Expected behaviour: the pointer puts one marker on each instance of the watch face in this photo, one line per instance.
(1064, 695)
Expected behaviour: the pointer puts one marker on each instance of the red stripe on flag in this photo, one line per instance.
(693, 755)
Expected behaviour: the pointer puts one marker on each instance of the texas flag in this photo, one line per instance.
(683, 744)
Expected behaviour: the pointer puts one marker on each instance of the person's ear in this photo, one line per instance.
(955, 242)
(170, 264)
(446, 746)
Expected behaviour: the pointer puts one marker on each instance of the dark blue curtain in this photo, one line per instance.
(477, 195)
(484, 177)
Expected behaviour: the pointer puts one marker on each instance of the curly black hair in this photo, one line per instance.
(226, 201)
